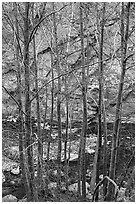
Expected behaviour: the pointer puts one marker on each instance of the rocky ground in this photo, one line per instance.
(13, 188)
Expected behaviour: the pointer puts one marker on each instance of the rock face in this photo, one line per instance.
(9, 198)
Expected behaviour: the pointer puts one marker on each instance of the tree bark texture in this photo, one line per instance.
(20, 118)
(115, 136)
(40, 145)
(84, 124)
(58, 102)
(28, 133)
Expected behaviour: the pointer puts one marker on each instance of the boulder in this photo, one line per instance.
(9, 198)
(15, 170)
(74, 187)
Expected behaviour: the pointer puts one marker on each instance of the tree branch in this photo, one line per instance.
(13, 98)
(101, 182)
(36, 26)
(63, 74)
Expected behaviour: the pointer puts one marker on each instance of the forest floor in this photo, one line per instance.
(10, 162)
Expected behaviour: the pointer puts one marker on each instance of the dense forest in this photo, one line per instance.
(68, 101)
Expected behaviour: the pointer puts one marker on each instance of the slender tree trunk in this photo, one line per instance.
(46, 106)
(51, 114)
(100, 99)
(84, 125)
(94, 174)
(115, 136)
(40, 145)
(66, 112)
(20, 118)
(104, 146)
(67, 103)
(58, 105)
(19, 93)
(52, 103)
(28, 133)
(66, 137)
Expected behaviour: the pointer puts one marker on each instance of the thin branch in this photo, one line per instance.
(101, 182)
(129, 57)
(12, 25)
(13, 98)
(37, 25)
(66, 73)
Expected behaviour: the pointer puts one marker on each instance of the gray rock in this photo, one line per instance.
(23, 200)
(74, 187)
(15, 170)
(9, 198)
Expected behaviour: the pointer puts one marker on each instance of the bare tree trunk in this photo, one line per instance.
(19, 93)
(33, 196)
(52, 103)
(40, 146)
(115, 137)
(104, 146)
(51, 115)
(67, 102)
(58, 105)
(20, 118)
(23, 157)
(84, 125)
(66, 137)
(100, 99)
(46, 106)
(67, 114)
(94, 174)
